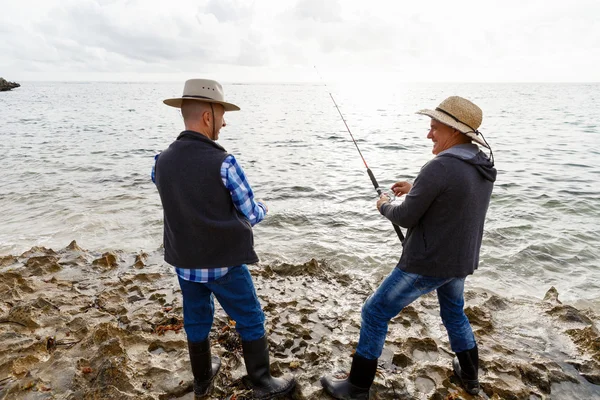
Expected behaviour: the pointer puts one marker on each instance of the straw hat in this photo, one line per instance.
(460, 114)
(205, 90)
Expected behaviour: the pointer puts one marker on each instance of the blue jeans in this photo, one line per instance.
(235, 292)
(400, 289)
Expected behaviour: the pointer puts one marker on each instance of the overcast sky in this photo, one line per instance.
(281, 40)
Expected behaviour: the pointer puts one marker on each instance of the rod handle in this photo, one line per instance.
(398, 232)
(378, 189)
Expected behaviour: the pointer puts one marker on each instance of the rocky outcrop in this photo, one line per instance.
(6, 85)
(79, 324)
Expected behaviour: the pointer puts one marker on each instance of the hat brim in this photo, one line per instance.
(451, 122)
(177, 101)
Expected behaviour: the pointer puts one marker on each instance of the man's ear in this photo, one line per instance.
(206, 117)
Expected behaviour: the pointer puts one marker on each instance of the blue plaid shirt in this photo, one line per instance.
(235, 181)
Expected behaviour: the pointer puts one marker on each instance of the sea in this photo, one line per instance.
(77, 157)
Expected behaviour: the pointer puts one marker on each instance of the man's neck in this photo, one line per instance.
(198, 129)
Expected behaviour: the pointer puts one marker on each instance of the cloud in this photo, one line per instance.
(319, 10)
(463, 40)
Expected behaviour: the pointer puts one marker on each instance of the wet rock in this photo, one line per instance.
(113, 372)
(38, 251)
(588, 342)
(42, 265)
(167, 346)
(481, 318)
(499, 389)
(590, 370)
(395, 388)
(313, 325)
(23, 315)
(422, 345)
(588, 339)
(78, 326)
(109, 392)
(12, 283)
(108, 260)
(551, 296)
(168, 384)
(140, 260)
(73, 246)
(496, 303)
(7, 260)
(6, 85)
(147, 278)
(21, 366)
(312, 268)
(537, 377)
(401, 360)
(407, 317)
(104, 332)
(568, 313)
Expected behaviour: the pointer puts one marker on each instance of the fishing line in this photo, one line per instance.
(369, 172)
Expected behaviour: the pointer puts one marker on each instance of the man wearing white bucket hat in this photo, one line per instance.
(209, 211)
(444, 211)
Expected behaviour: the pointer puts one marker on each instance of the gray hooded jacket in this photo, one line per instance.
(445, 212)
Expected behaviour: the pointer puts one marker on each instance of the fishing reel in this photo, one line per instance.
(388, 194)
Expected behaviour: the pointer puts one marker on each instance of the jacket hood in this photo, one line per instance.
(471, 154)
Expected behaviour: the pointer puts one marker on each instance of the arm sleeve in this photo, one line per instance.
(429, 184)
(153, 173)
(235, 181)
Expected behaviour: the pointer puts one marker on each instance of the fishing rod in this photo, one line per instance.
(369, 172)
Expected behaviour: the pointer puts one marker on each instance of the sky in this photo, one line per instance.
(283, 40)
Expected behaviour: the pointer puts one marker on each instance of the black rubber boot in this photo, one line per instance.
(264, 386)
(358, 383)
(466, 368)
(204, 367)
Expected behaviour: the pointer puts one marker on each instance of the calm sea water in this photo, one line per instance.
(77, 158)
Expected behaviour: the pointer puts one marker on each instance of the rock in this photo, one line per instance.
(569, 314)
(5, 85)
(588, 342)
(480, 318)
(7, 260)
(43, 265)
(36, 251)
(93, 334)
(496, 303)
(401, 360)
(552, 296)
(108, 260)
(24, 315)
(74, 246)
(140, 260)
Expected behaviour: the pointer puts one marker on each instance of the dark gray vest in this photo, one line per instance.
(202, 227)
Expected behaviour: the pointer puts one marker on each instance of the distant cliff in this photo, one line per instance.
(6, 85)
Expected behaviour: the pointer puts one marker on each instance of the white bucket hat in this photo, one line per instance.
(460, 114)
(205, 90)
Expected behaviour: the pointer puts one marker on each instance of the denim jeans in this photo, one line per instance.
(400, 289)
(236, 294)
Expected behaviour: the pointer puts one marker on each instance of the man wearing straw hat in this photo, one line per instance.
(209, 211)
(444, 211)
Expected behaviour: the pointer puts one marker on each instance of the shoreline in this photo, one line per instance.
(80, 324)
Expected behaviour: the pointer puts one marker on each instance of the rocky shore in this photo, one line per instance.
(77, 324)
(6, 85)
